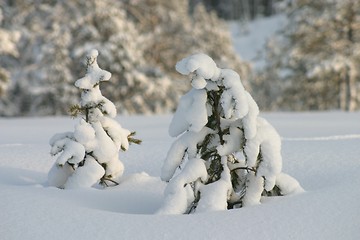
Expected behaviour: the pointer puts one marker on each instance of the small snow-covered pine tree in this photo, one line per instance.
(89, 155)
(225, 155)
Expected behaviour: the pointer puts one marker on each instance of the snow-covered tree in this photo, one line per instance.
(240, 9)
(8, 40)
(317, 56)
(90, 154)
(55, 34)
(171, 33)
(9, 54)
(138, 86)
(42, 78)
(140, 42)
(225, 155)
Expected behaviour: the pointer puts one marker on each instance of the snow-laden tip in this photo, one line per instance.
(94, 74)
(93, 53)
(200, 63)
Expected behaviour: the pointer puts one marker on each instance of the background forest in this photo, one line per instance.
(310, 63)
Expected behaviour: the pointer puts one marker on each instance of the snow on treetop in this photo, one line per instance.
(94, 73)
(93, 53)
(230, 77)
(200, 63)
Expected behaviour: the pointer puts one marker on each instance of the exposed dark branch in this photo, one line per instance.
(104, 179)
(244, 168)
(217, 116)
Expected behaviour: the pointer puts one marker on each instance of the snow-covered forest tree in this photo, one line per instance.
(241, 9)
(55, 34)
(8, 51)
(316, 60)
(139, 41)
(225, 155)
(90, 154)
(182, 34)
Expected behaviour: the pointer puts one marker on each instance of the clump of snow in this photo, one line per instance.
(288, 184)
(105, 148)
(254, 189)
(179, 194)
(249, 121)
(271, 161)
(118, 134)
(58, 175)
(85, 176)
(185, 144)
(70, 151)
(200, 63)
(107, 107)
(198, 82)
(191, 113)
(85, 134)
(232, 142)
(233, 99)
(214, 196)
(94, 74)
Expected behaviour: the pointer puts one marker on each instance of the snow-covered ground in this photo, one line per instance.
(249, 38)
(321, 150)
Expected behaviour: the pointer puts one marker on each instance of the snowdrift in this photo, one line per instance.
(321, 150)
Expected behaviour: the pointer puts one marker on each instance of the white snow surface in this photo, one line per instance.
(249, 38)
(320, 150)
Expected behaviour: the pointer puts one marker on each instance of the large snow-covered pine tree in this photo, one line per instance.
(225, 155)
(90, 154)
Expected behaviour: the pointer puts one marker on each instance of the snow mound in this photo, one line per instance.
(327, 168)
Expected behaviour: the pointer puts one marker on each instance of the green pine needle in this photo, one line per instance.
(75, 110)
(133, 140)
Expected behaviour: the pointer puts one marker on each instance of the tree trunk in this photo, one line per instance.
(350, 91)
(268, 7)
(253, 8)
